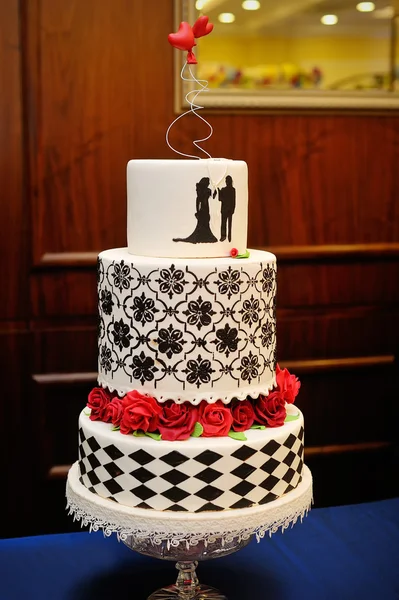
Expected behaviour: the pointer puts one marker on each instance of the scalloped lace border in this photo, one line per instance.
(188, 529)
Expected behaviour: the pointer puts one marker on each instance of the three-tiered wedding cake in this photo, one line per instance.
(191, 413)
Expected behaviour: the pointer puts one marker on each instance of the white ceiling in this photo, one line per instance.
(297, 18)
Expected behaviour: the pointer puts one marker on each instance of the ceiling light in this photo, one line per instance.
(365, 6)
(388, 12)
(329, 19)
(226, 18)
(199, 5)
(251, 5)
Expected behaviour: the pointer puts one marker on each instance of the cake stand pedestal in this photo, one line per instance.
(186, 537)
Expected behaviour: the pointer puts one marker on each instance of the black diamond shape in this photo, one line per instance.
(208, 475)
(144, 505)
(208, 457)
(289, 459)
(82, 453)
(174, 459)
(113, 499)
(268, 498)
(208, 506)
(243, 471)
(82, 436)
(113, 452)
(93, 460)
(269, 482)
(209, 493)
(113, 469)
(143, 475)
(289, 475)
(177, 507)
(242, 503)
(113, 486)
(289, 488)
(300, 434)
(270, 447)
(175, 477)
(270, 465)
(94, 480)
(143, 492)
(82, 467)
(142, 457)
(290, 441)
(175, 494)
(93, 444)
(244, 452)
(300, 466)
(92, 490)
(243, 488)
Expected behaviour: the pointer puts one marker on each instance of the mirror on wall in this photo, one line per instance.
(295, 53)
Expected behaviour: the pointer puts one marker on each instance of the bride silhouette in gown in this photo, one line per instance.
(202, 232)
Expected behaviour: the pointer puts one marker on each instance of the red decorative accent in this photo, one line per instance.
(216, 419)
(184, 38)
(243, 415)
(233, 252)
(201, 26)
(191, 60)
(177, 421)
(287, 384)
(136, 411)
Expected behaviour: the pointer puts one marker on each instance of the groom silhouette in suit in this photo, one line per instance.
(227, 197)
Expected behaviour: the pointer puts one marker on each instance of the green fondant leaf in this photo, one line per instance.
(115, 428)
(289, 418)
(258, 427)
(237, 435)
(154, 436)
(198, 430)
(138, 433)
(88, 413)
(244, 255)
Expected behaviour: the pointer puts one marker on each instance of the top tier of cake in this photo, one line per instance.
(187, 208)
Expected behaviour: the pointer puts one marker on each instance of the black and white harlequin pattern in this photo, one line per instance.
(182, 328)
(208, 480)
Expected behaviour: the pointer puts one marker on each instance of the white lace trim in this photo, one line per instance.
(195, 397)
(189, 529)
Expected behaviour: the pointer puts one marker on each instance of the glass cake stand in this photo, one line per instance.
(186, 538)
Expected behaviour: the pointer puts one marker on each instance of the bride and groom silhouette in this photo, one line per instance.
(227, 198)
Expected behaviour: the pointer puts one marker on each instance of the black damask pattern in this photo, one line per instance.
(144, 368)
(106, 358)
(229, 282)
(121, 333)
(250, 367)
(268, 279)
(170, 341)
(199, 313)
(121, 276)
(250, 311)
(171, 281)
(106, 301)
(144, 309)
(267, 334)
(198, 371)
(227, 339)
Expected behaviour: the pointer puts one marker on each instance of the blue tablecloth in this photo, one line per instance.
(342, 553)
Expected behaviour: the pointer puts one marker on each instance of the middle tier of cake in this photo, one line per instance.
(187, 329)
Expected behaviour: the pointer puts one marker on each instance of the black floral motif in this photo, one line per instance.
(274, 359)
(200, 343)
(143, 309)
(199, 371)
(99, 270)
(171, 281)
(170, 341)
(227, 312)
(229, 282)
(267, 333)
(171, 311)
(268, 279)
(227, 339)
(106, 358)
(121, 334)
(199, 312)
(106, 301)
(121, 276)
(249, 367)
(250, 311)
(143, 368)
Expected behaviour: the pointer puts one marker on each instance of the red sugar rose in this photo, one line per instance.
(270, 410)
(233, 252)
(139, 412)
(177, 421)
(243, 415)
(288, 385)
(113, 412)
(98, 400)
(216, 419)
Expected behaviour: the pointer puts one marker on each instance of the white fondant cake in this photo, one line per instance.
(195, 475)
(187, 329)
(187, 208)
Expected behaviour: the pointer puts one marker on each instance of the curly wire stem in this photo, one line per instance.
(191, 98)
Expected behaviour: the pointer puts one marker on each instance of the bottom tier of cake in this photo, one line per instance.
(195, 475)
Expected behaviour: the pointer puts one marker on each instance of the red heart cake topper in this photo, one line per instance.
(184, 39)
(202, 27)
